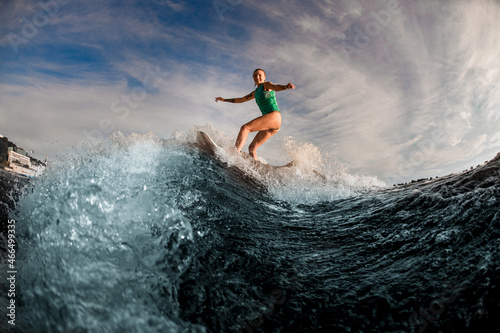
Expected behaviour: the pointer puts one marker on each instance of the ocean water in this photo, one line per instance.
(152, 235)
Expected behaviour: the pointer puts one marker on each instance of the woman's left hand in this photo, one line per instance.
(290, 86)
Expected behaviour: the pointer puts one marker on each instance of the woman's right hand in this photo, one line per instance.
(219, 99)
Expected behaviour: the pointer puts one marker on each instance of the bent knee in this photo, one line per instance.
(245, 128)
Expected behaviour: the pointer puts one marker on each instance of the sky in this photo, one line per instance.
(395, 89)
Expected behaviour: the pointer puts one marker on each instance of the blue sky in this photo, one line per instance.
(395, 89)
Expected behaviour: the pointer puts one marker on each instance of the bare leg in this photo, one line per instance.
(270, 121)
(242, 137)
(259, 139)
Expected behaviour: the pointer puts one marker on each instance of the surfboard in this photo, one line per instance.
(206, 144)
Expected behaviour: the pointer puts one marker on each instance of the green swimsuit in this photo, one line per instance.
(266, 100)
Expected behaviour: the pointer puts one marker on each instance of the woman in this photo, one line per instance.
(270, 122)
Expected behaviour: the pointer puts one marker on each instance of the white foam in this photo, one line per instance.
(315, 176)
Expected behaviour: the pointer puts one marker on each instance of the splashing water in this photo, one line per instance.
(151, 235)
(102, 232)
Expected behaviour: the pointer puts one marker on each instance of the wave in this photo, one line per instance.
(101, 230)
(112, 220)
(314, 177)
(151, 235)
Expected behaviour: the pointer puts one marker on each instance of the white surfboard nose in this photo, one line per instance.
(206, 143)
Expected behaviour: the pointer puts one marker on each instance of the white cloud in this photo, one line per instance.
(419, 95)
(419, 75)
(310, 24)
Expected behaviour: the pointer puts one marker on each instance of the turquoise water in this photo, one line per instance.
(148, 235)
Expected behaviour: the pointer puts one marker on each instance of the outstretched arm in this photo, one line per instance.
(237, 100)
(278, 87)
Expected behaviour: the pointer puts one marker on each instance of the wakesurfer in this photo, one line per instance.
(270, 122)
